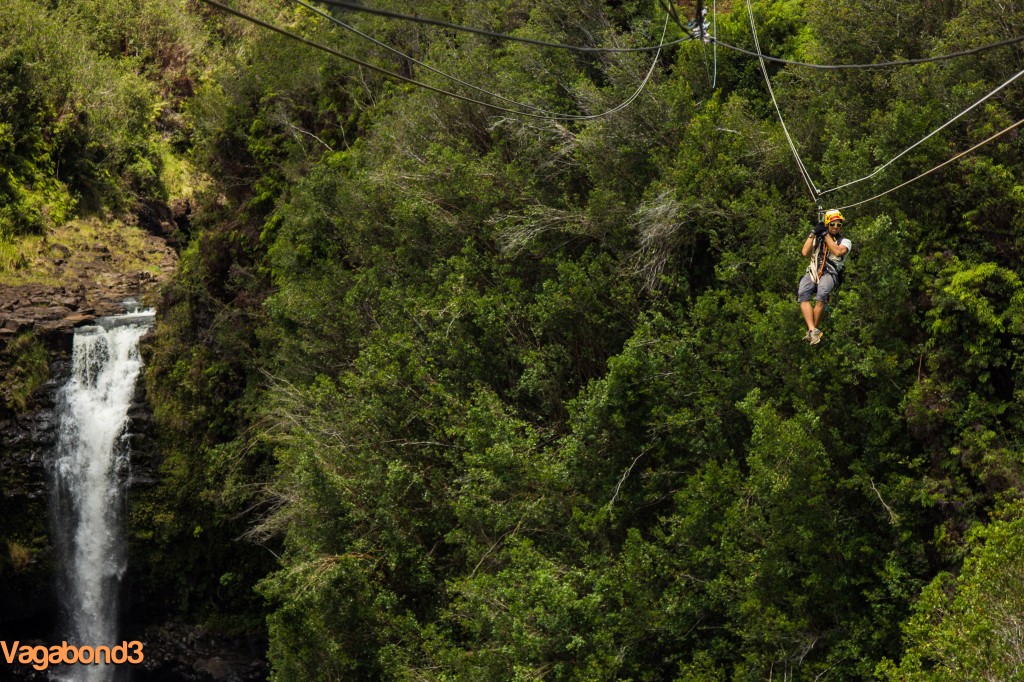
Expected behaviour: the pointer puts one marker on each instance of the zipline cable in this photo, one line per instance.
(923, 139)
(699, 19)
(800, 164)
(932, 170)
(762, 58)
(874, 65)
(494, 34)
(426, 66)
(714, 42)
(355, 7)
(441, 91)
(671, 9)
(456, 79)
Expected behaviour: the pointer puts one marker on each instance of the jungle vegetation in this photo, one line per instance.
(452, 393)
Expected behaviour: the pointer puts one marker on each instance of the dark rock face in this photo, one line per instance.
(167, 221)
(28, 441)
(180, 653)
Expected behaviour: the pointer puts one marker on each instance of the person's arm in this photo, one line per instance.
(838, 250)
(808, 246)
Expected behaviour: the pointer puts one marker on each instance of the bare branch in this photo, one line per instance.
(894, 518)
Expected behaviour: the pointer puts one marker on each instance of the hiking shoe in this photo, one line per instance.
(807, 336)
(815, 336)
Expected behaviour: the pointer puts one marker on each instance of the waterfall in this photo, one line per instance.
(90, 472)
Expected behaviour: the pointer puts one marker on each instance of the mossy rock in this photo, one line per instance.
(25, 369)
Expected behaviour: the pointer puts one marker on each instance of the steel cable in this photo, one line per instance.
(926, 137)
(874, 65)
(935, 168)
(355, 7)
(796, 155)
(441, 91)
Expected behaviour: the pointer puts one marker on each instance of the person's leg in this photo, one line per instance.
(819, 312)
(809, 314)
(805, 292)
(825, 286)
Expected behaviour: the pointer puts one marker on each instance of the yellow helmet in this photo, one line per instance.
(833, 215)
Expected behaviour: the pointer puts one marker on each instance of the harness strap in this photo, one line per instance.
(823, 249)
(817, 269)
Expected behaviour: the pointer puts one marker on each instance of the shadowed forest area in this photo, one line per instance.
(452, 392)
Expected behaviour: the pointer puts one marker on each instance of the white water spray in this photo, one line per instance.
(90, 475)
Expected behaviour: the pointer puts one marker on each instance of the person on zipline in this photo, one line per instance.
(827, 249)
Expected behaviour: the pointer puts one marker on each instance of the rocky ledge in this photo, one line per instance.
(86, 282)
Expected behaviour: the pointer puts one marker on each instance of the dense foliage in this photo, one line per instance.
(507, 397)
(76, 124)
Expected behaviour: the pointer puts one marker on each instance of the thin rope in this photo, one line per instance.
(441, 91)
(493, 34)
(932, 133)
(803, 170)
(941, 165)
(876, 65)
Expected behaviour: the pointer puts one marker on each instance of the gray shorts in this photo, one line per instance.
(808, 289)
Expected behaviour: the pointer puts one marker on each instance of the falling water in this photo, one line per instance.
(90, 475)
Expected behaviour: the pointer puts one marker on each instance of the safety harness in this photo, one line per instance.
(822, 261)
